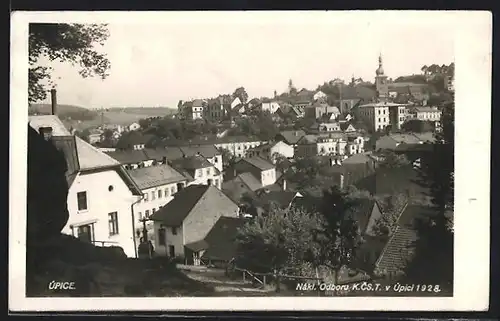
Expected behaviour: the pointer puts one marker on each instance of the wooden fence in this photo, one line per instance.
(264, 279)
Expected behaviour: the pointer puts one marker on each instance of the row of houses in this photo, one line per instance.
(180, 197)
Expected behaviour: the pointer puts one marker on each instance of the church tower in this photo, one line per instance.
(381, 81)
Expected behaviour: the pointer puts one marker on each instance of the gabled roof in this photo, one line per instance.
(175, 211)
(89, 157)
(221, 240)
(361, 158)
(158, 154)
(249, 180)
(345, 125)
(153, 176)
(398, 249)
(191, 163)
(292, 136)
(258, 162)
(207, 151)
(58, 128)
(281, 198)
(128, 156)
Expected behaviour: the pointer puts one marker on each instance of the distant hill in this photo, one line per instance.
(81, 118)
(64, 111)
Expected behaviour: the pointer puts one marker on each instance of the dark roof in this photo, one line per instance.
(249, 180)
(67, 145)
(259, 163)
(159, 153)
(175, 211)
(281, 198)
(197, 246)
(207, 151)
(292, 136)
(192, 162)
(129, 156)
(221, 238)
(235, 189)
(398, 249)
(128, 140)
(389, 180)
(344, 125)
(153, 176)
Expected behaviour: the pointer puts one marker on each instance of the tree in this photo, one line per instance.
(433, 259)
(227, 157)
(282, 241)
(73, 43)
(393, 160)
(338, 237)
(241, 93)
(418, 126)
(393, 205)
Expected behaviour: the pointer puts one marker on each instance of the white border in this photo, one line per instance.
(472, 33)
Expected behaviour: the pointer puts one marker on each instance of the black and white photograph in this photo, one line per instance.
(312, 157)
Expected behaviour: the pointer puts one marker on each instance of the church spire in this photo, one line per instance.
(380, 69)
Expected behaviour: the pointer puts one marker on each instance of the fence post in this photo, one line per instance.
(243, 276)
(264, 280)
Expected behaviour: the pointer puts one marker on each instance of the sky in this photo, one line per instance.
(162, 61)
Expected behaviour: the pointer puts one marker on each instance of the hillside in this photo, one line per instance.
(64, 111)
(81, 118)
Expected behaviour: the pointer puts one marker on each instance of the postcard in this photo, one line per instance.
(250, 161)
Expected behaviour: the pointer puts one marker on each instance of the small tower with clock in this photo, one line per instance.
(381, 82)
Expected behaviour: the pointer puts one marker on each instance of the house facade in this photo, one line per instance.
(260, 168)
(101, 193)
(319, 95)
(158, 185)
(188, 218)
(271, 150)
(425, 114)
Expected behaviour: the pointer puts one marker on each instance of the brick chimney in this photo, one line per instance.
(53, 97)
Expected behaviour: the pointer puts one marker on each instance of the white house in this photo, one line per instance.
(271, 150)
(319, 95)
(101, 193)
(198, 171)
(260, 168)
(271, 107)
(158, 185)
(134, 126)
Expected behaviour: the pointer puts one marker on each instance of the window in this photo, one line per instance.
(82, 201)
(140, 215)
(147, 213)
(160, 192)
(379, 120)
(208, 171)
(146, 197)
(167, 192)
(217, 182)
(162, 236)
(199, 173)
(153, 195)
(379, 111)
(172, 190)
(110, 188)
(113, 223)
(174, 230)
